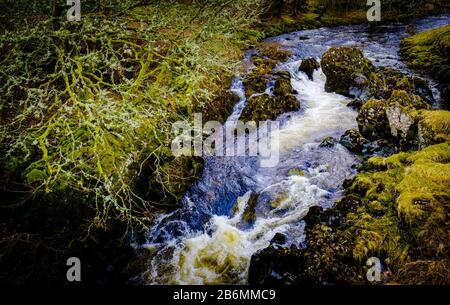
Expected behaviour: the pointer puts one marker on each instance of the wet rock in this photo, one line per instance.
(276, 266)
(372, 120)
(328, 142)
(249, 215)
(279, 239)
(283, 86)
(353, 141)
(381, 147)
(308, 66)
(266, 107)
(355, 104)
(346, 68)
(267, 57)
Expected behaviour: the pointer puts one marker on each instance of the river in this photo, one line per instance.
(207, 241)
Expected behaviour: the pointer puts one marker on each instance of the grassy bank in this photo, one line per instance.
(429, 52)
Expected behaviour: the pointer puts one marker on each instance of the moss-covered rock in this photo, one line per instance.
(308, 66)
(220, 107)
(268, 55)
(372, 120)
(266, 107)
(402, 120)
(346, 69)
(353, 141)
(249, 214)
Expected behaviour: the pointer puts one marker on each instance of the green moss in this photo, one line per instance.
(434, 127)
(35, 175)
(296, 172)
(429, 51)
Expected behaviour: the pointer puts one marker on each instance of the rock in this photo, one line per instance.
(249, 214)
(355, 104)
(279, 239)
(385, 81)
(328, 142)
(308, 66)
(346, 69)
(402, 120)
(283, 86)
(219, 108)
(381, 147)
(265, 107)
(403, 99)
(353, 141)
(267, 57)
(401, 123)
(257, 108)
(372, 120)
(276, 266)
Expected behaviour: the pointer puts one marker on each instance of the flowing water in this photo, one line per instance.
(208, 240)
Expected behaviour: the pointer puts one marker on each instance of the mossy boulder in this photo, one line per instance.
(268, 55)
(220, 107)
(346, 69)
(353, 141)
(267, 107)
(308, 66)
(401, 117)
(372, 120)
(283, 86)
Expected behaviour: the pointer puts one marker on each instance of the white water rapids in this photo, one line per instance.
(207, 241)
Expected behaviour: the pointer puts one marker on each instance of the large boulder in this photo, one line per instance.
(347, 70)
(308, 66)
(400, 112)
(372, 120)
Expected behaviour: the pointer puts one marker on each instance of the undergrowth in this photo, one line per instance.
(85, 105)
